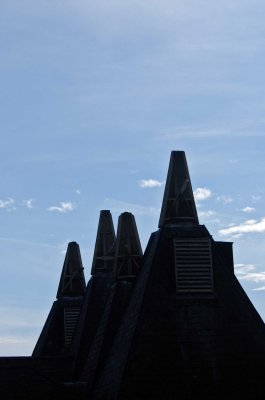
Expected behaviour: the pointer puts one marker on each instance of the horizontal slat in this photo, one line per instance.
(193, 265)
(71, 316)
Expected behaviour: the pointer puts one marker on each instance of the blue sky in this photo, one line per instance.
(94, 96)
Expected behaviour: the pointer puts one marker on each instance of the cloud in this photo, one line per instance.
(248, 209)
(194, 132)
(246, 272)
(225, 199)
(28, 203)
(202, 194)
(12, 340)
(259, 288)
(78, 191)
(206, 214)
(6, 203)
(245, 128)
(249, 226)
(150, 183)
(137, 209)
(63, 208)
(254, 277)
(26, 242)
(244, 268)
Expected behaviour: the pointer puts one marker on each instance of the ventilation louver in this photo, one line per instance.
(193, 262)
(70, 321)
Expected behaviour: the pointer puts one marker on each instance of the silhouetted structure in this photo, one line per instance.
(173, 323)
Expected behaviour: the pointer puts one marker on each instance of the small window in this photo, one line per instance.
(193, 261)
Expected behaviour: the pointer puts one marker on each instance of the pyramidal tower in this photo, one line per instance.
(178, 203)
(127, 265)
(129, 254)
(58, 331)
(105, 244)
(97, 289)
(170, 323)
(189, 330)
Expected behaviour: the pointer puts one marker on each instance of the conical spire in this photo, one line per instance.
(178, 202)
(72, 280)
(129, 253)
(104, 247)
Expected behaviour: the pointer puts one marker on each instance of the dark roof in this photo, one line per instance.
(97, 290)
(106, 299)
(72, 280)
(29, 378)
(172, 324)
(59, 329)
(105, 244)
(187, 345)
(178, 202)
(128, 255)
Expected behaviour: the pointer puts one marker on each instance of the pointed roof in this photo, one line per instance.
(128, 253)
(178, 202)
(72, 280)
(104, 247)
(164, 334)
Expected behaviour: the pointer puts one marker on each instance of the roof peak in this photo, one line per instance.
(178, 205)
(104, 248)
(129, 253)
(72, 280)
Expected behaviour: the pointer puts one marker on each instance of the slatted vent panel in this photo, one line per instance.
(71, 315)
(193, 265)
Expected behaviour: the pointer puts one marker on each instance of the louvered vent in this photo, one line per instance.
(193, 265)
(70, 321)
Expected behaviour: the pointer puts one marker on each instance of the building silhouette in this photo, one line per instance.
(172, 323)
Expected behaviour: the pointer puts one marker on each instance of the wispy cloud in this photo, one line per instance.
(193, 132)
(249, 226)
(7, 203)
(225, 199)
(244, 129)
(150, 183)
(248, 209)
(206, 214)
(258, 289)
(26, 242)
(243, 269)
(63, 207)
(254, 277)
(247, 272)
(202, 194)
(12, 340)
(137, 209)
(28, 203)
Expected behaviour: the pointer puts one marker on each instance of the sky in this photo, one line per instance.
(94, 97)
